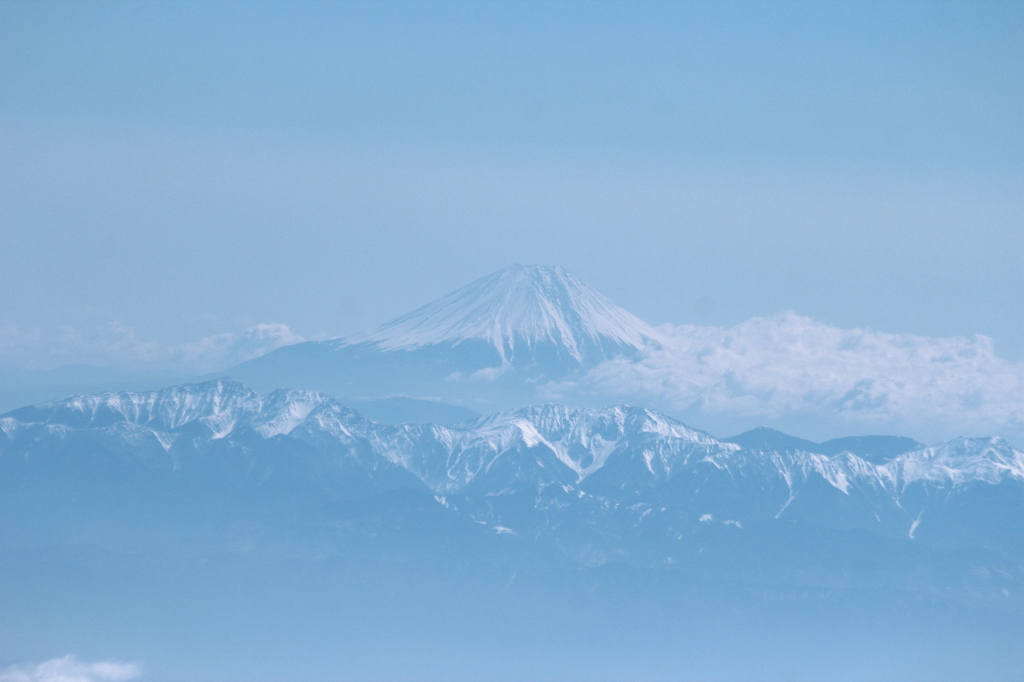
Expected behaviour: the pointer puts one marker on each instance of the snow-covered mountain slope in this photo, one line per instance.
(579, 441)
(960, 462)
(515, 310)
(222, 406)
(542, 445)
(628, 462)
(487, 346)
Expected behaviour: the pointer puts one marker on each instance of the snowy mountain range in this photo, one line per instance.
(574, 476)
(486, 346)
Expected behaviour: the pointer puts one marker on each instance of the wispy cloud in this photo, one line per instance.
(223, 350)
(789, 368)
(118, 345)
(70, 669)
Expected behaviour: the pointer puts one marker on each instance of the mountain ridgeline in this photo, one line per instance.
(622, 483)
(874, 449)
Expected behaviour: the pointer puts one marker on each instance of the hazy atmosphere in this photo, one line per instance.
(815, 212)
(189, 170)
(185, 186)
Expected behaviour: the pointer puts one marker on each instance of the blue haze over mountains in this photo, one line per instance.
(257, 527)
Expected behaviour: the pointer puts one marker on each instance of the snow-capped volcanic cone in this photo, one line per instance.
(489, 344)
(520, 310)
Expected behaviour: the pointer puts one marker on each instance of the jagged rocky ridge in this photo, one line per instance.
(596, 477)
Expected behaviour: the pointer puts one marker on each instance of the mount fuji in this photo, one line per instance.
(488, 345)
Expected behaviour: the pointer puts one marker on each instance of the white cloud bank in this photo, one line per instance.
(790, 369)
(224, 350)
(786, 371)
(70, 669)
(117, 345)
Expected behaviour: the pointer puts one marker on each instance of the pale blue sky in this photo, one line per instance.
(187, 169)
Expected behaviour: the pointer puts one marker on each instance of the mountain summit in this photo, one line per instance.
(517, 310)
(488, 345)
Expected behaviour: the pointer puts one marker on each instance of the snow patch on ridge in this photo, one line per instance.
(297, 406)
